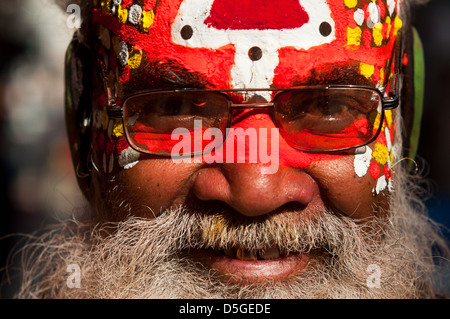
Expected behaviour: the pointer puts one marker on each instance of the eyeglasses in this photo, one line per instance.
(324, 119)
(314, 119)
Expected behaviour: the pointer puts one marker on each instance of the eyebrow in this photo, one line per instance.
(172, 75)
(341, 74)
(165, 75)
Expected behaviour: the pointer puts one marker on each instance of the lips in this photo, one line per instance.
(247, 266)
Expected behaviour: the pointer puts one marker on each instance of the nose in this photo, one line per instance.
(250, 192)
(247, 187)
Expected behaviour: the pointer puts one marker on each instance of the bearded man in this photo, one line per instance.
(241, 149)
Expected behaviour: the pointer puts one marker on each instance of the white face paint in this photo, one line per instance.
(381, 184)
(247, 72)
(134, 14)
(128, 158)
(362, 162)
(387, 134)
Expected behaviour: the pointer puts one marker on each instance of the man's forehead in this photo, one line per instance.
(247, 43)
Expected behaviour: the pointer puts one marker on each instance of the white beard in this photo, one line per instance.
(142, 258)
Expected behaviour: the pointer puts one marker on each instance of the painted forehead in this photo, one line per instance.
(246, 43)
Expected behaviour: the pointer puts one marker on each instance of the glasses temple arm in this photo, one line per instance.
(112, 109)
(391, 102)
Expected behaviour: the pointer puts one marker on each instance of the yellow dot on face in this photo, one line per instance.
(118, 129)
(350, 3)
(397, 25)
(354, 36)
(377, 34)
(374, 118)
(122, 14)
(106, 5)
(135, 59)
(147, 20)
(389, 27)
(380, 153)
(367, 70)
(382, 76)
(388, 115)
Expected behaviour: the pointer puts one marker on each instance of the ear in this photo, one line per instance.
(78, 109)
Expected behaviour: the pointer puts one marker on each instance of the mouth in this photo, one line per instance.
(250, 266)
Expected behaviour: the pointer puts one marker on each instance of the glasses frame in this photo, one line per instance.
(115, 111)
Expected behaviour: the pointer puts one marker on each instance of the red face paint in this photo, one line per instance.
(256, 14)
(374, 170)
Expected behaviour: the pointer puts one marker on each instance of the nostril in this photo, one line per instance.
(251, 193)
(290, 207)
(268, 208)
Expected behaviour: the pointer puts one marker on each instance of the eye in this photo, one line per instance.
(322, 111)
(332, 106)
(328, 107)
(174, 105)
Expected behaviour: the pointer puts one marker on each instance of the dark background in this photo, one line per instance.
(433, 24)
(36, 175)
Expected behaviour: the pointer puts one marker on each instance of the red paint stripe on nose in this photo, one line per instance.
(256, 14)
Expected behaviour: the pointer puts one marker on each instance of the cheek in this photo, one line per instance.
(354, 184)
(377, 161)
(143, 178)
(155, 183)
(343, 190)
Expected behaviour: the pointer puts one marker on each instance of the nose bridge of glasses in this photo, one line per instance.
(252, 99)
(252, 105)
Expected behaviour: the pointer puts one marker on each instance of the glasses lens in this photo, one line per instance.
(326, 119)
(155, 122)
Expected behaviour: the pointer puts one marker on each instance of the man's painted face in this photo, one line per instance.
(316, 227)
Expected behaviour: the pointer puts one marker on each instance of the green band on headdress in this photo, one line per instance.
(419, 88)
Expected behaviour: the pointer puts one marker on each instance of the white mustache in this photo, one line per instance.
(180, 229)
